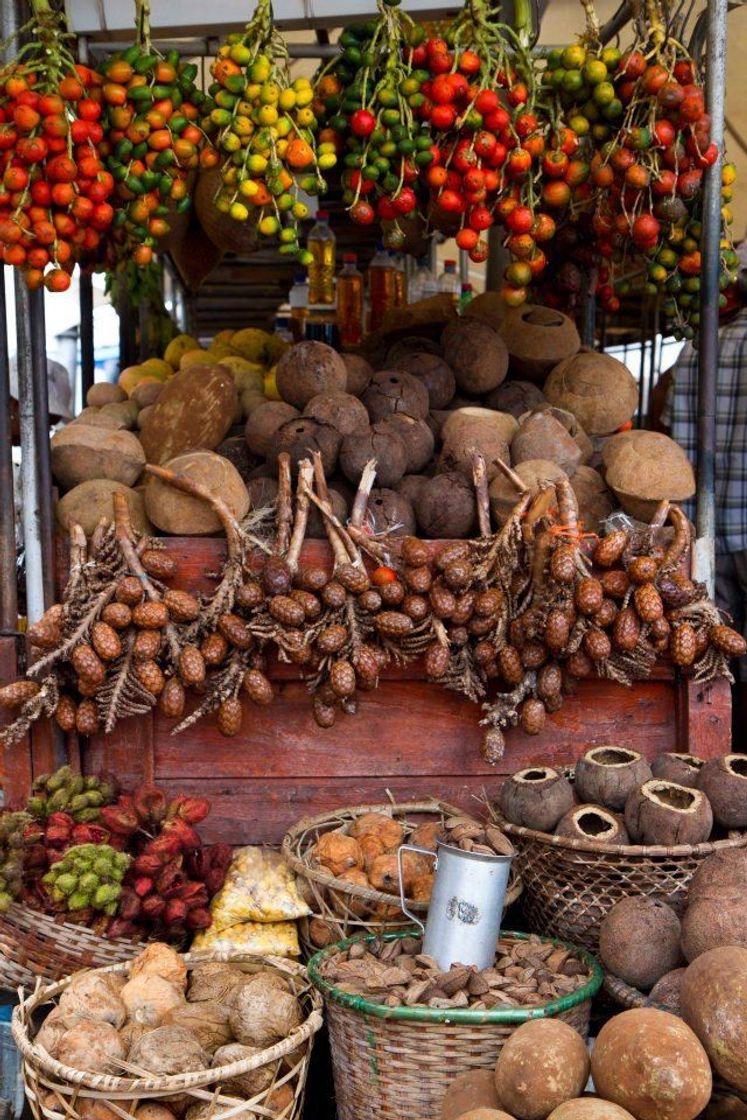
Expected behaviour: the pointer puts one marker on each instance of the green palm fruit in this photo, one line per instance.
(77, 785)
(102, 867)
(107, 791)
(78, 901)
(59, 779)
(57, 895)
(50, 877)
(41, 781)
(93, 798)
(91, 782)
(5, 901)
(86, 816)
(80, 801)
(37, 806)
(122, 860)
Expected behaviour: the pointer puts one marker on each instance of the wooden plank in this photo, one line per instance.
(16, 758)
(704, 718)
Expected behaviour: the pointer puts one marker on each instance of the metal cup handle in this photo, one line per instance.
(421, 852)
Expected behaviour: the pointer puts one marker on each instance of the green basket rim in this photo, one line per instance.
(460, 1014)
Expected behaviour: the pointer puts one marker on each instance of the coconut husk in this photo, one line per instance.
(542, 434)
(595, 501)
(229, 235)
(600, 391)
(516, 397)
(488, 307)
(642, 468)
(537, 338)
(533, 472)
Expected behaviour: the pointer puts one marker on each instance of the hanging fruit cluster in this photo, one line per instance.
(54, 189)
(263, 124)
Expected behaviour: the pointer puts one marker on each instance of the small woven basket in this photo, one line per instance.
(336, 905)
(391, 1063)
(35, 947)
(570, 885)
(626, 996)
(58, 1092)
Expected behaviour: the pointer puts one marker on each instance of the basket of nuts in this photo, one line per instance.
(346, 862)
(401, 1029)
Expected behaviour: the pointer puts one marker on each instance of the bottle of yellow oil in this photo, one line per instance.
(321, 243)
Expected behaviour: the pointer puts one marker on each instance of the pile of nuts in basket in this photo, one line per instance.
(526, 973)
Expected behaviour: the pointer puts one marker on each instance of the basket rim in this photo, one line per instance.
(173, 1083)
(391, 808)
(625, 994)
(640, 851)
(457, 1015)
(25, 917)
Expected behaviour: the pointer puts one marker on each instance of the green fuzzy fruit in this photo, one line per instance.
(78, 901)
(59, 779)
(106, 790)
(94, 797)
(58, 801)
(67, 883)
(5, 901)
(92, 782)
(57, 895)
(102, 867)
(37, 806)
(77, 785)
(117, 874)
(111, 909)
(88, 882)
(80, 801)
(122, 860)
(86, 816)
(50, 877)
(106, 895)
(41, 781)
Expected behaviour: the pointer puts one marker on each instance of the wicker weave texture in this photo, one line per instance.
(36, 947)
(624, 995)
(340, 910)
(386, 1070)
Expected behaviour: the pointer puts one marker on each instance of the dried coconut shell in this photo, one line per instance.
(715, 919)
(391, 513)
(533, 472)
(460, 442)
(516, 398)
(263, 423)
(169, 1050)
(244, 1084)
(94, 995)
(382, 444)
(315, 529)
(395, 391)
(149, 998)
(88, 502)
(542, 1064)
(172, 511)
(436, 374)
(595, 501)
(359, 373)
(475, 1089)
(92, 1045)
(471, 418)
(389, 831)
(666, 991)
(262, 1014)
(207, 1020)
(341, 411)
(542, 435)
(600, 391)
(724, 782)
(302, 437)
(477, 354)
(81, 452)
(54, 1027)
(487, 307)
(131, 1032)
(445, 507)
(726, 869)
(589, 1108)
(537, 339)
(645, 467)
(160, 960)
(415, 434)
(665, 813)
(410, 486)
(307, 369)
(639, 941)
(214, 981)
(346, 904)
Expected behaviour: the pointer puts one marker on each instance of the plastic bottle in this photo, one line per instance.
(381, 287)
(350, 302)
(448, 281)
(423, 283)
(283, 324)
(321, 243)
(400, 279)
(465, 298)
(321, 325)
(299, 304)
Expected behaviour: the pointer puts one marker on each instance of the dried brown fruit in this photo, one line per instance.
(596, 644)
(172, 699)
(532, 716)
(342, 679)
(458, 636)
(615, 583)
(258, 688)
(588, 595)
(549, 681)
(250, 595)
(367, 665)
(729, 641)
(606, 614)
(18, 693)
(370, 601)
(334, 595)
(484, 653)
(129, 590)
(117, 615)
(46, 632)
(105, 641)
(230, 715)
(609, 550)
(533, 654)
(676, 589)
(415, 553)
(86, 687)
(158, 563)
(557, 631)
(393, 624)
(286, 610)
(353, 577)
(150, 676)
(458, 574)
(276, 576)
(192, 665)
(442, 600)
(457, 550)
(86, 718)
(311, 578)
(683, 645)
(479, 627)
(150, 616)
(648, 602)
(660, 629)
(324, 714)
(87, 664)
(236, 632)
(643, 569)
(331, 639)
(579, 665)
(418, 579)
(392, 594)
(510, 665)
(563, 563)
(309, 603)
(147, 645)
(182, 606)
(65, 713)
(489, 603)
(626, 630)
(214, 649)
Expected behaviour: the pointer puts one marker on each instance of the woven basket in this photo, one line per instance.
(335, 902)
(58, 1092)
(626, 996)
(35, 947)
(391, 1063)
(570, 885)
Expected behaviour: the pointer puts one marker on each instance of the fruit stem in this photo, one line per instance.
(142, 23)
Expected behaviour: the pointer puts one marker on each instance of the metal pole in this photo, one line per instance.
(87, 360)
(589, 310)
(41, 426)
(705, 518)
(32, 535)
(8, 586)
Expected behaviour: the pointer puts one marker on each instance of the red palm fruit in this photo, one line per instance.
(147, 864)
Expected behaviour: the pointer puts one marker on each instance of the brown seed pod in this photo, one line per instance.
(393, 624)
(465, 604)
(676, 589)
(46, 632)
(615, 583)
(213, 649)
(683, 647)
(563, 563)
(366, 662)
(489, 603)
(484, 652)
(609, 550)
(370, 601)
(334, 595)
(532, 716)
(516, 633)
(276, 576)
(580, 666)
(660, 630)
(648, 602)
(324, 714)
(286, 610)
(150, 616)
(311, 578)
(443, 601)
(181, 606)
(458, 574)
(418, 579)
(312, 608)
(415, 553)
(458, 636)
(588, 595)
(416, 607)
(18, 693)
(557, 631)
(510, 665)
(258, 688)
(626, 630)
(392, 594)
(105, 641)
(250, 595)
(172, 700)
(87, 664)
(596, 644)
(533, 654)
(150, 676)
(158, 563)
(331, 639)
(437, 658)
(230, 716)
(236, 632)
(117, 615)
(479, 627)
(727, 640)
(65, 713)
(147, 645)
(606, 614)
(457, 550)
(342, 679)
(192, 665)
(86, 718)
(643, 569)
(129, 590)
(353, 578)
(549, 681)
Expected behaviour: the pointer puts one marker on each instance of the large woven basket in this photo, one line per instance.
(35, 947)
(335, 904)
(391, 1063)
(58, 1092)
(570, 885)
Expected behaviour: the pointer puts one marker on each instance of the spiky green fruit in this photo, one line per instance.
(79, 900)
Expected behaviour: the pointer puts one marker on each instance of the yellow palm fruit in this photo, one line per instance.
(238, 211)
(269, 226)
(257, 164)
(287, 99)
(283, 127)
(267, 114)
(252, 91)
(305, 118)
(284, 202)
(261, 69)
(240, 53)
(304, 96)
(230, 142)
(251, 343)
(249, 188)
(329, 159)
(242, 126)
(270, 386)
(300, 210)
(269, 94)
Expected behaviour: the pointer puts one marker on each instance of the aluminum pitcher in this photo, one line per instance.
(466, 907)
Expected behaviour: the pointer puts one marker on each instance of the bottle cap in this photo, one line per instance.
(300, 278)
(466, 287)
(350, 258)
(450, 264)
(322, 216)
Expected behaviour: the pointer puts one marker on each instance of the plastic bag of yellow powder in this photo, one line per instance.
(259, 887)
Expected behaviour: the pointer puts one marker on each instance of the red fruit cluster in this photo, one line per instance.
(54, 189)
